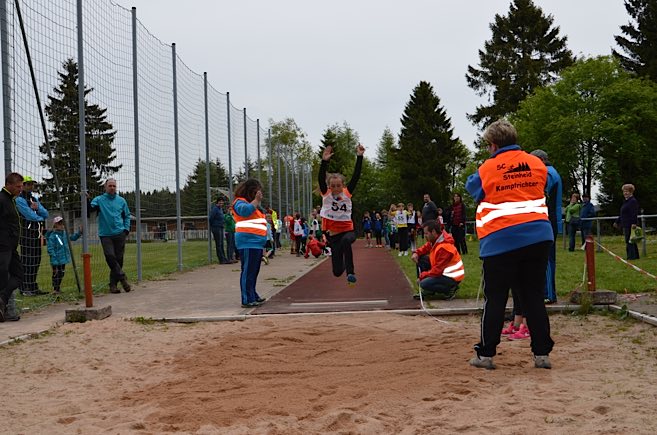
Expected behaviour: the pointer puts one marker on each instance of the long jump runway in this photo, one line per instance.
(381, 285)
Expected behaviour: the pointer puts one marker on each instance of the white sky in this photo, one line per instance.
(357, 60)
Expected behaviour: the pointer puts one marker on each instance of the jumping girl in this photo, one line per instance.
(336, 212)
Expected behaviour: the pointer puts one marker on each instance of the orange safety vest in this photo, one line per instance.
(255, 223)
(454, 269)
(514, 191)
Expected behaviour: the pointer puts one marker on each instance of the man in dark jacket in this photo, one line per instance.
(217, 227)
(11, 268)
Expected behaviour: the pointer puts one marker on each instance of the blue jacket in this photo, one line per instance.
(513, 237)
(587, 211)
(216, 217)
(553, 194)
(629, 213)
(58, 246)
(247, 240)
(26, 212)
(113, 214)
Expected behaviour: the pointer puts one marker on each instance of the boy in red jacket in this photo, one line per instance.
(314, 246)
(439, 262)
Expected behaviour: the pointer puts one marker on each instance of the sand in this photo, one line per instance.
(366, 373)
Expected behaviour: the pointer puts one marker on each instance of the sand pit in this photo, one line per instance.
(369, 374)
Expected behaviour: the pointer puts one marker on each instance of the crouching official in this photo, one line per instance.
(440, 265)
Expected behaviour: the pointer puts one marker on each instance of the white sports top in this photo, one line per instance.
(336, 208)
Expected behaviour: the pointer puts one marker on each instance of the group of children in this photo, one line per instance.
(395, 228)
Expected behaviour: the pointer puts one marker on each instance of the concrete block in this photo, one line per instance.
(81, 315)
(597, 297)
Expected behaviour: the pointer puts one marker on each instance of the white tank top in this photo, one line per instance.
(336, 208)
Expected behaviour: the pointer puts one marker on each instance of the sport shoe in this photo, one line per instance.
(114, 289)
(482, 362)
(400, 254)
(126, 285)
(542, 362)
(266, 260)
(521, 334)
(510, 330)
(351, 278)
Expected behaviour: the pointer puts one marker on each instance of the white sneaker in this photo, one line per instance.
(400, 254)
(406, 253)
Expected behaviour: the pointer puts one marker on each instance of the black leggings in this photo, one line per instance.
(341, 255)
(377, 235)
(402, 234)
(57, 276)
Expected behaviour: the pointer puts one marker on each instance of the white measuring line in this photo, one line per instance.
(364, 302)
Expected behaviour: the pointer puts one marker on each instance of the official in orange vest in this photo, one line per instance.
(515, 237)
(439, 261)
(250, 238)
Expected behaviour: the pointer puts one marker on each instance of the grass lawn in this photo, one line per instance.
(610, 273)
(158, 260)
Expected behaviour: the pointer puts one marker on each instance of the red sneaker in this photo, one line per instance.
(511, 329)
(522, 333)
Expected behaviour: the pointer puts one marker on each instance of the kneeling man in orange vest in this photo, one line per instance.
(441, 268)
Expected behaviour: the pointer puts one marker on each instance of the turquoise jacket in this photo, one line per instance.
(58, 246)
(113, 214)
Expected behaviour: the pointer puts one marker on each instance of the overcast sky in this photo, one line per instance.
(357, 60)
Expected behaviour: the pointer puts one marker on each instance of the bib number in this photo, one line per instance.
(334, 207)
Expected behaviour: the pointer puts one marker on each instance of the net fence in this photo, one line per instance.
(169, 138)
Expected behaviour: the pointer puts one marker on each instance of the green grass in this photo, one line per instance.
(610, 273)
(159, 259)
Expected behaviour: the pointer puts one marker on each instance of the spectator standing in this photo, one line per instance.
(367, 229)
(33, 216)
(401, 217)
(217, 225)
(573, 211)
(378, 229)
(515, 238)
(587, 212)
(429, 209)
(411, 221)
(113, 229)
(554, 196)
(229, 228)
(11, 267)
(457, 220)
(628, 219)
(60, 255)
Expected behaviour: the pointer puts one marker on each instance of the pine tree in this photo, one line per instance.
(427, 147)
(344, 140)
(63, 114)
(524, 53)
(640, 41)
(193, 195)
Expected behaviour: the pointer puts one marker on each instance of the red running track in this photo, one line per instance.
(381, 285)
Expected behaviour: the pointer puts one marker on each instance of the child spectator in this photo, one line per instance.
(60, 255)
(314, 246)
(367, 229)
(378, 230)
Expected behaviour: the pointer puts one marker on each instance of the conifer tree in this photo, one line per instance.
(427, 147)
(63, 114)
(639, 42)
(524, 53)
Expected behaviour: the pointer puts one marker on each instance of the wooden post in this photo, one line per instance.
(88, 294)
(590, 263)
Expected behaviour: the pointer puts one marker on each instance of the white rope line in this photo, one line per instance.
(617, 258)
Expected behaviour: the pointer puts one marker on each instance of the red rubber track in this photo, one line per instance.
(381, 285)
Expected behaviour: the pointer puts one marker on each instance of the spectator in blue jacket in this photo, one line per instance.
(587, 211)
(113, 229)
(628, 219)
(58, 250)
(217, 224)
(32, 217)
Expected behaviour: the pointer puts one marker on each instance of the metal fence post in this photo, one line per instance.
(6, 85)
(246, 148)
(135, 103)
(269, 174)
(230, 159)
(278, 176)
(177, 149)
(643, 230)
(292, 180)
(208, 199)
(258, 152)
(599, 236)
(287, 188)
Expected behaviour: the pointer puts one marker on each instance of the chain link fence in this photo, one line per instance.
(172, 141)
